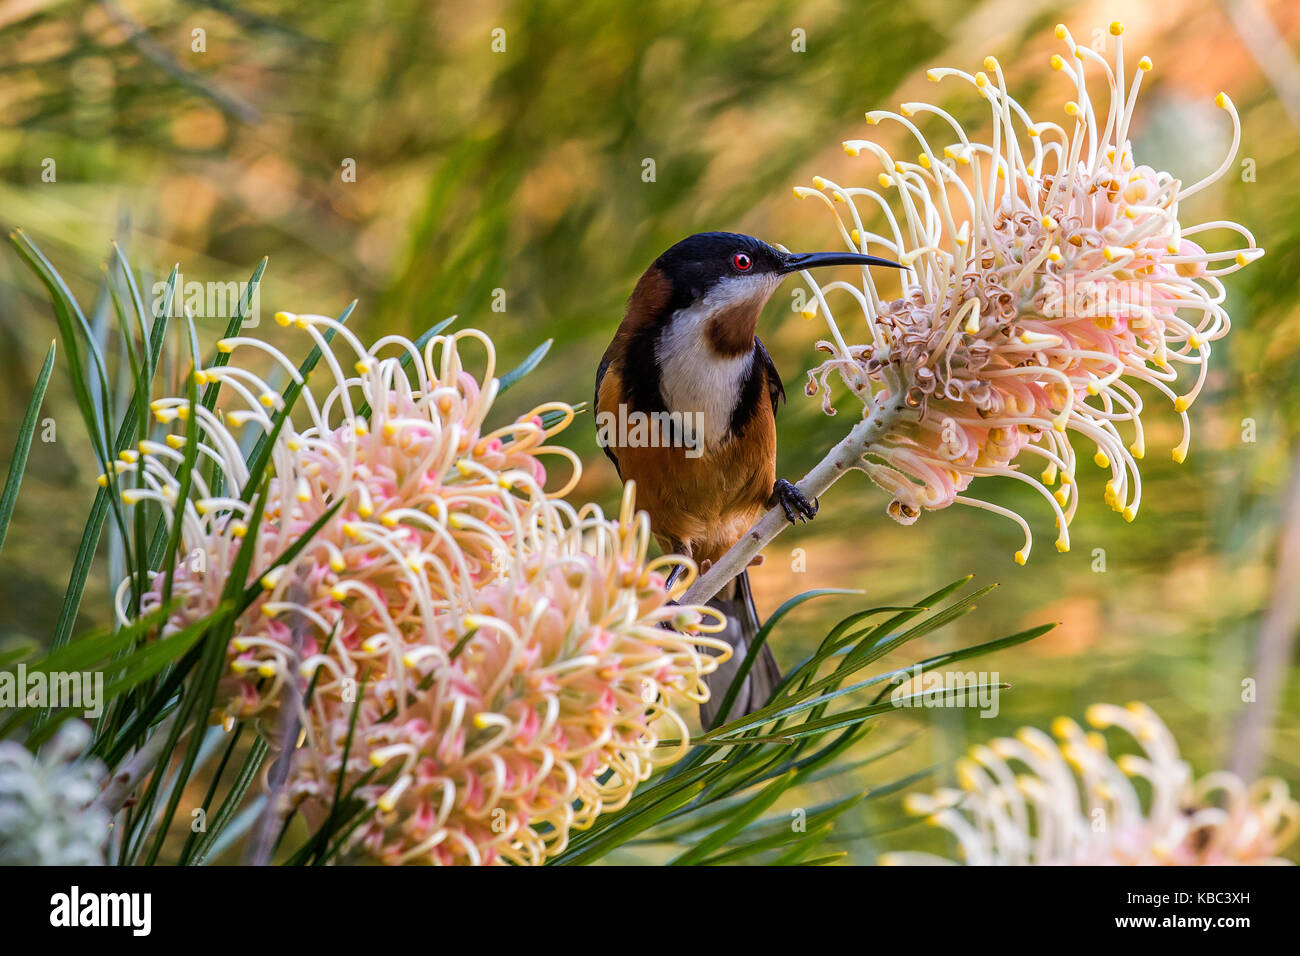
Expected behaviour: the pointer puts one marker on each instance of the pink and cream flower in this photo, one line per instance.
(496, 652)
(1049, 283)
(1032, 800)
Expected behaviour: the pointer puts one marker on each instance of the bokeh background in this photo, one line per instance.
(214, 132)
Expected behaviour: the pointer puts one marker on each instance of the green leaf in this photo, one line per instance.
(751, 654)
(742, 818)
(18, 463)
(512, 377)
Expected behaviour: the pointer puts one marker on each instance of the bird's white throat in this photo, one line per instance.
(694, 379)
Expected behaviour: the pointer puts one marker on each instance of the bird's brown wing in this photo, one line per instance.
(775, 390)
(595, 404)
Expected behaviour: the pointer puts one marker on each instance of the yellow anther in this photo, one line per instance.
(1021, 558)
(1058, 62)
(1062, 545)
(1221, 101)
(1181, 403)
(266, 670)
(1064, 727)
(1071, 108)
(851, 149)
(1116, 28)
(885, 180)
(1180, 455)
(226, 345)
(1144, 64)
(284, 318)
(1101, 460)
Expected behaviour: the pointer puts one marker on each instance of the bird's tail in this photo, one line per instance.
(736, 601)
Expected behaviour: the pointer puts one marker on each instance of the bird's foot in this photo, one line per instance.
(793, 502)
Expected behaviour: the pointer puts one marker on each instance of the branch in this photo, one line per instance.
(841, 459)
(157, 54)
(129, 775)
(1275, 644)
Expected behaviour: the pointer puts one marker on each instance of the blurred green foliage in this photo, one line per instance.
(517, 161)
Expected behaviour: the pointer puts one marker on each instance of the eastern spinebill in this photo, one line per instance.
(686, 346)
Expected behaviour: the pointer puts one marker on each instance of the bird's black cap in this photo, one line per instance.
(698, 262)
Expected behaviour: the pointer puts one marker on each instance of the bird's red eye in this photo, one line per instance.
(742, 262)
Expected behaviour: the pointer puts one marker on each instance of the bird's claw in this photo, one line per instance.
(793, 502)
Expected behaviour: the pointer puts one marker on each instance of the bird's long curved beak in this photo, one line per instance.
(814, 260)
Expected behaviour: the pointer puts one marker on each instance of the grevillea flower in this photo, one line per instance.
(1048, 276)
(1073, 804)
(46, 816)
(487, 656)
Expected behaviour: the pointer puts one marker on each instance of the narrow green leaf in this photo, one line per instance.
(18, 462)
(512, 377)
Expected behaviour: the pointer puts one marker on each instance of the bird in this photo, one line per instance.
(686, 401)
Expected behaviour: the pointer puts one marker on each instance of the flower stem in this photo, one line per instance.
(842, 458)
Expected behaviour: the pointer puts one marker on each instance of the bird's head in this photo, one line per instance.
(722, 280)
